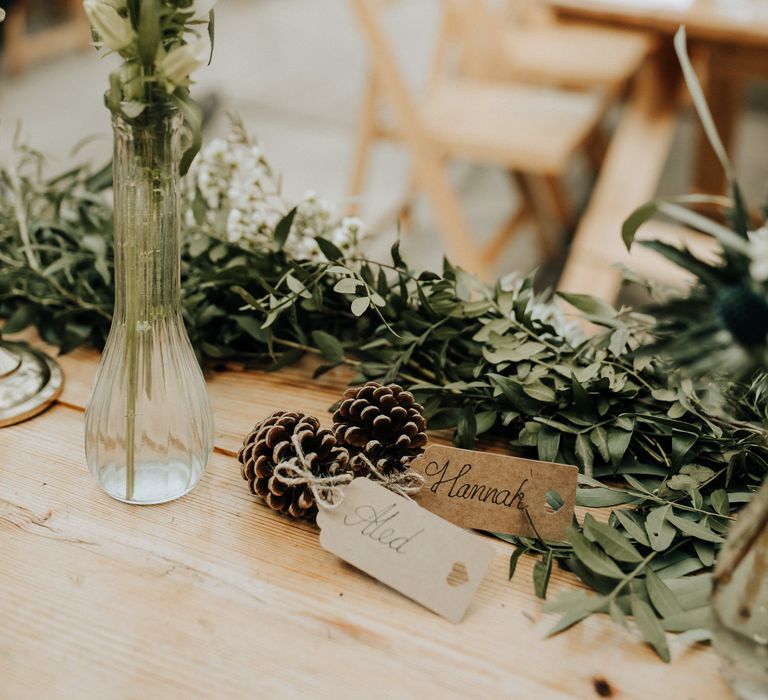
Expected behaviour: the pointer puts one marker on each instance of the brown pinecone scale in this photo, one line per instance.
(384, 422)
(271, 442)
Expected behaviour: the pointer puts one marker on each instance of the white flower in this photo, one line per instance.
(177, 65)
(2, 14)
(758, 250)
(114, 32)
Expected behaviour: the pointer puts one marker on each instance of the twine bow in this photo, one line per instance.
(405, 483)
(296, 471)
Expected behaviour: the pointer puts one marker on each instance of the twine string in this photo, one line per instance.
(328, 491)
(296, 471)
(405, 483)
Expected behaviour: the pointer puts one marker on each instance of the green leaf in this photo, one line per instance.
(329, 249)
(649, 626)
(283, 228)
(252, 327)
(20, 319)
(689, 620)
(617, 615)
(629, 522)
(360, 305)
(719, 501)
(660, 532)
(295, 286)
(724, 235)
(602, 497)
(599, 438)
(211, 34)
(705, 551)
(584, 453)
(635, 220)
(331, 348)
(348, 285)
(548, 443)
(444, 418)
(684, 259)
(661, 596)
(466, 430)
(514, 393)
(193, 117)
(592, 556)
(514, 559)
(587, 304)
(578, 606)
(700, 102)
(618, 443)
(694, 529)
(540, 392)
(485, 421)
(568, 620)
(542, 571)
(611, 540)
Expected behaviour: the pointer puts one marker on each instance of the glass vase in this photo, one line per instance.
(740, 601)
(148, 426)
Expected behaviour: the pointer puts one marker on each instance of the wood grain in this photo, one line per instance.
(710, 20)
(215, 596)
(731, 39)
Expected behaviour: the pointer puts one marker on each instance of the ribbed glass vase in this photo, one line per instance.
(740, 601)
(148, 427)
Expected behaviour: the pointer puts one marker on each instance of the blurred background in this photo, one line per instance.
(535, 134)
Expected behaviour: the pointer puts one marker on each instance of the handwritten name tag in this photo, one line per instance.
(498, 493)
(406, 547)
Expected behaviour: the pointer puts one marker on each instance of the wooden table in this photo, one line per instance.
(216, 596)
(729, 36)
(728, 42)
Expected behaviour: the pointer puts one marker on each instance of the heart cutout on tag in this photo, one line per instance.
(458, 575)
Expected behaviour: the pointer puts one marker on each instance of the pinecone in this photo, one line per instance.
(383, 422)
(271, 442)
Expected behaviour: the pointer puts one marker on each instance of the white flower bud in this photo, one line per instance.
(177, 65)
(114, 32)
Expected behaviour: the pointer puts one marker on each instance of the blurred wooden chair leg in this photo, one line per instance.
(15, 27)
(557, 193)
(405, 214)
(539, 217)
(430, 173)
(595, 149)
(366, 135)
(505, 234)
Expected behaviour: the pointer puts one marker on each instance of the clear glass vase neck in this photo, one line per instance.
(147, 152)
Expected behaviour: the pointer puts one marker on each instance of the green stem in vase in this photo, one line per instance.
(131, 340)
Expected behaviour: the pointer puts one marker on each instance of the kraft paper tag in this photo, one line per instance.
(497, 493)
(406, 547)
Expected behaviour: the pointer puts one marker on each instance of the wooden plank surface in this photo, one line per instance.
(216, 596)
(744, 23)
(732, 38)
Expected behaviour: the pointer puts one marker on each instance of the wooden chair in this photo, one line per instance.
(522, 41)
(531, 45)
(531, 132)
(23, 48)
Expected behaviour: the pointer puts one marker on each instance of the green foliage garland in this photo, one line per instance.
(485, 361)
